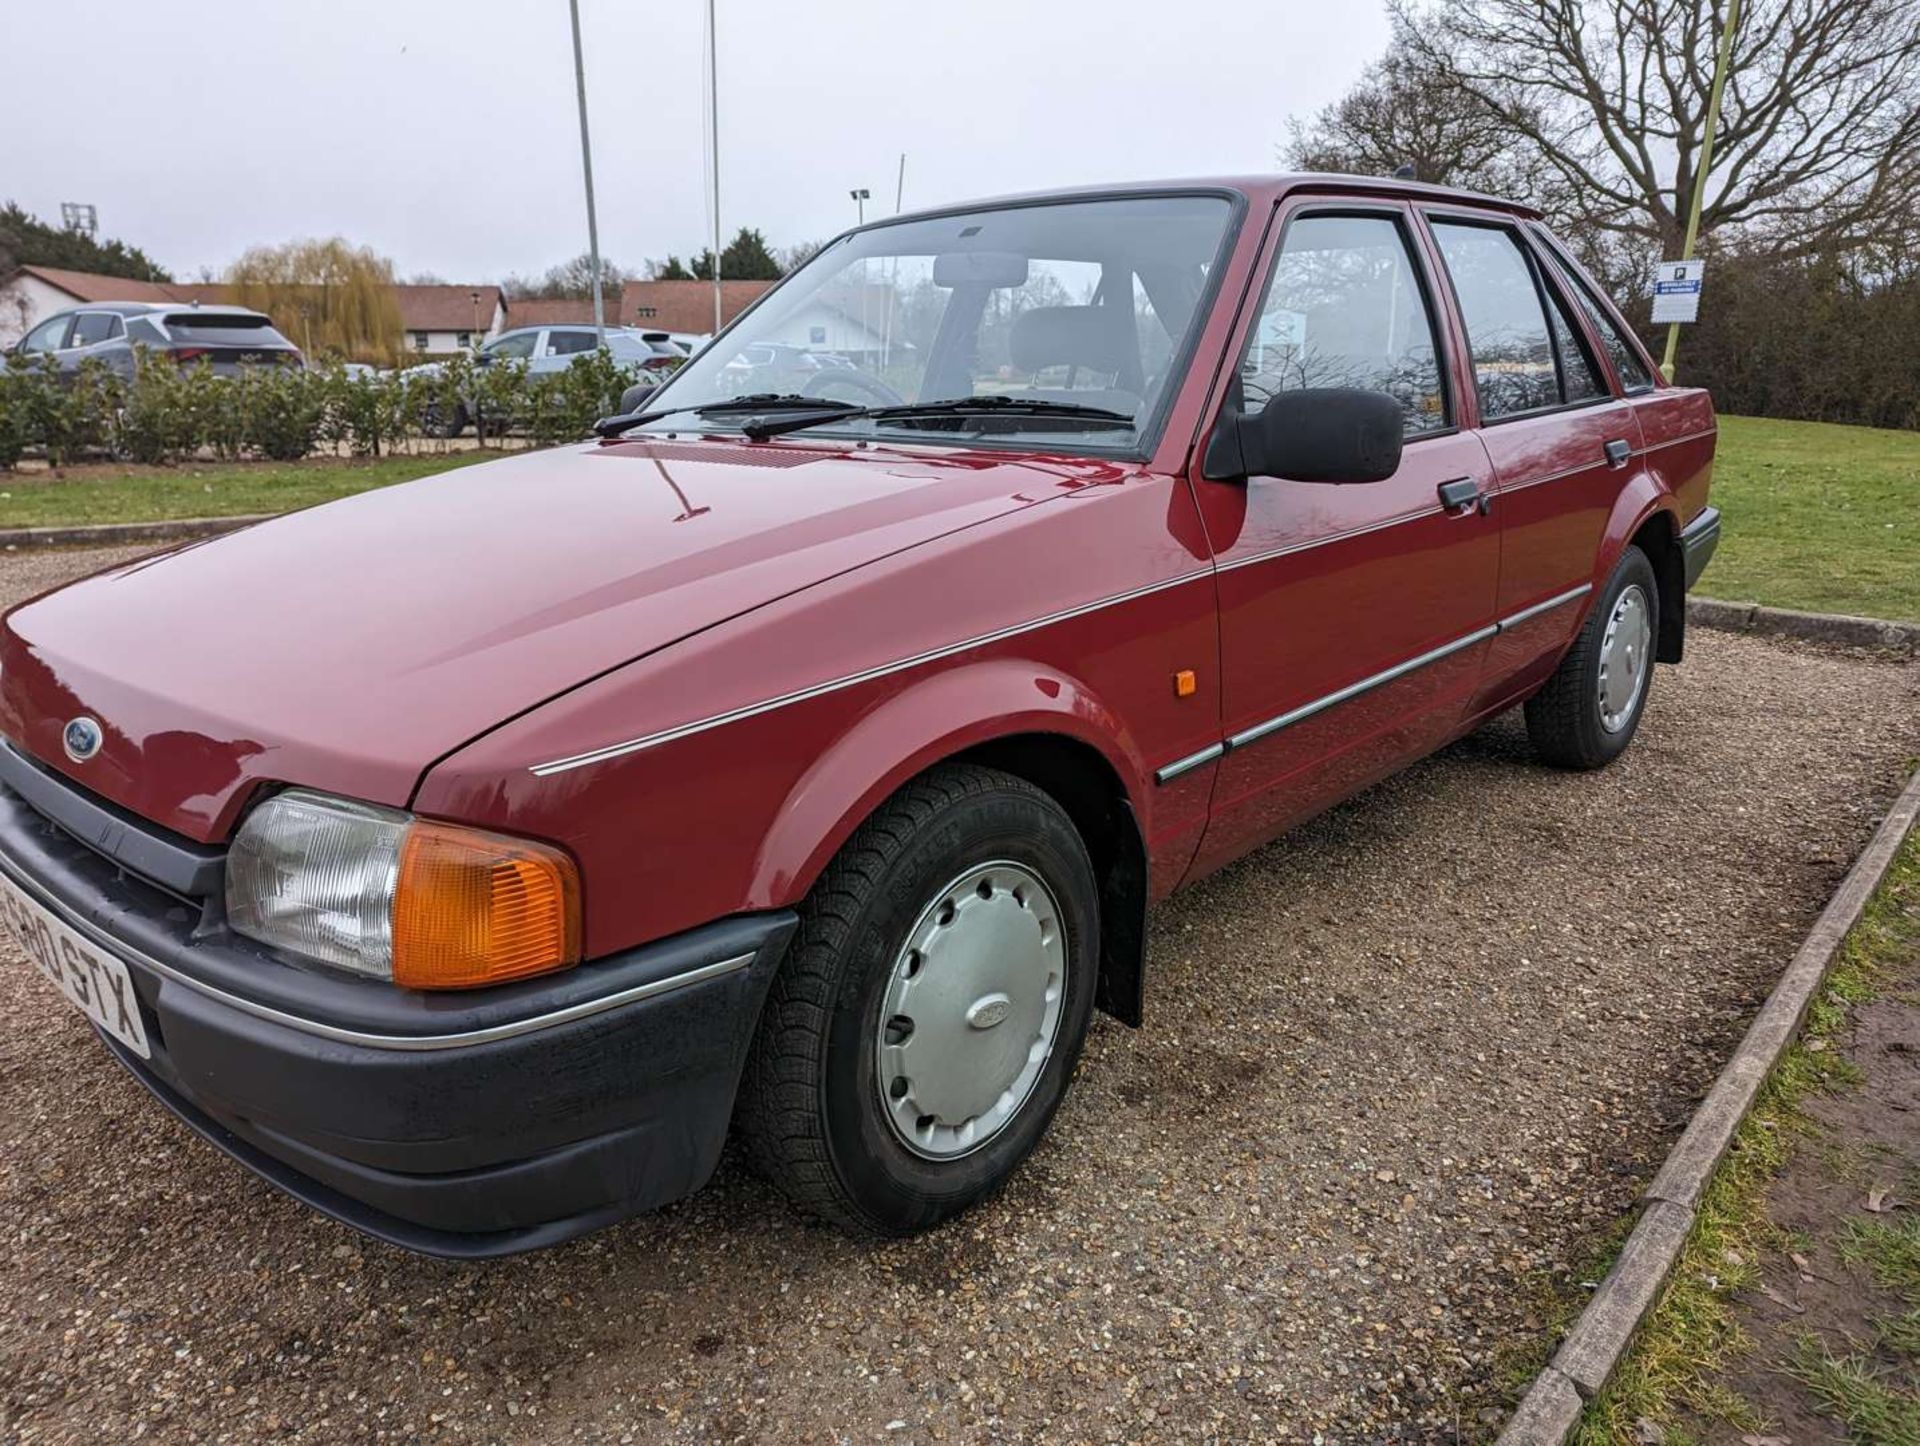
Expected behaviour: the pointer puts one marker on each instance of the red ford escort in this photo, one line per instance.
(802, 755)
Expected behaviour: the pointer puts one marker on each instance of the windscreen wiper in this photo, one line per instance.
(754, 402)
(979, 406)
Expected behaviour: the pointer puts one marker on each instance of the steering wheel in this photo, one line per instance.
(868, 388)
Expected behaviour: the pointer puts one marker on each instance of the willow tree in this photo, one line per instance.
(331, 298)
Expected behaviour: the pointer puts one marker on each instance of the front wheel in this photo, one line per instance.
(923, 1029)
(1590, 708)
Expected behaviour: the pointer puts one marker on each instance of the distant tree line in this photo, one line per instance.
(1594, 110)
(26, 240)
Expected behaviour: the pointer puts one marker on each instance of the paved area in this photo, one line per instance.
(1396, 1067)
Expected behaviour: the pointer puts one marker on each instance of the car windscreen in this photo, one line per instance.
(230, 330)
(1085, 304)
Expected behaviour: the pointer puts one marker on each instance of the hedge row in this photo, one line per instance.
(167, 412)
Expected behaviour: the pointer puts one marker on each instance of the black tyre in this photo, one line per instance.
(1591, 707)
(923, 1028)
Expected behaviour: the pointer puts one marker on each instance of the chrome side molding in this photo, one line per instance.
(1307, 710)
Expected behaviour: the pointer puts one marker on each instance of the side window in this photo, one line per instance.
(568, 343)
(91, 327)
(517, 348)
(48, 336)
(1634, 376)
(1579, 377)
(1513, 352)
(1345, 309)
(142, 332)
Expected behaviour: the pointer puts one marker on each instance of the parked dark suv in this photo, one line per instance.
(225, 338)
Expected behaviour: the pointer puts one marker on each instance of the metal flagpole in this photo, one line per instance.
(1720, 64)
(586, 166)
(713, 144)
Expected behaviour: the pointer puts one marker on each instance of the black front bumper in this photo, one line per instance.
(462, 1125)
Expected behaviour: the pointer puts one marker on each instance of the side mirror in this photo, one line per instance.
(634, 398)
(1322, 434)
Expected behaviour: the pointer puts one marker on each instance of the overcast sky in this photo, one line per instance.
(443, 132)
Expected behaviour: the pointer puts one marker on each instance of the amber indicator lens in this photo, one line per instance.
(473, 908)
(1184, 683)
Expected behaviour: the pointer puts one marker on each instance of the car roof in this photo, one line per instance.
(152, 308)
(1256, 188)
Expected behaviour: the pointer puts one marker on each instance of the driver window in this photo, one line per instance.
(1346, 309)
(515, 348)
(48, 336)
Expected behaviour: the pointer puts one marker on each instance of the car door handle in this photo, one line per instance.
(1619, 452)
(1464, 494)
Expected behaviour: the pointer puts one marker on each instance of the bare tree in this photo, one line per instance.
(1403, 112)
(1819, 142)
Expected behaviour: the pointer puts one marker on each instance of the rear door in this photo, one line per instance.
(1560, 438)
(1353, 618)
(92, 330)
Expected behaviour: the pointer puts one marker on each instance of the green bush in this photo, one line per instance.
(284, 411)
(168, 414)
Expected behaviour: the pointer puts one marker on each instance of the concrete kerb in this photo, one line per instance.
(1837, 629)
(1599, 1338)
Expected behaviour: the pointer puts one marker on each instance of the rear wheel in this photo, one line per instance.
(926, 1022)
(1590, 708)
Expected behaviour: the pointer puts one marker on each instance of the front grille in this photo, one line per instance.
(189, 871)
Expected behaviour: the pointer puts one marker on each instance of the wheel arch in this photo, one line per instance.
(1024, 718)
(1644, 516)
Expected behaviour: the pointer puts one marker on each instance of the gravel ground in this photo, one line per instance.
(1397, 1068)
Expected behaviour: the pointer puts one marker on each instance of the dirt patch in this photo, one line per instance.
(1395, 1068)
(1863, 1150)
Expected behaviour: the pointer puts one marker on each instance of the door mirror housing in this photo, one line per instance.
(1322, 434)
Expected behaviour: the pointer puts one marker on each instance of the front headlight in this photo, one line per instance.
(425, 904)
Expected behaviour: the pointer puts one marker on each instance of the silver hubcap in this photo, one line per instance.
(971, 1011)
(1625, 657)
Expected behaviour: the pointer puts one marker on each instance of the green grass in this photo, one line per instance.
(97, 494)
(1818, 517)
(1692, 1332)
(1859, 1394)
(1889, 1249)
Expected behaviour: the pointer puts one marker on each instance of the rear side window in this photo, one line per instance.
(569, 343)
(1345, 308)
(1626, 361)
(1580, 378)
(91, 327)
(1507, 332)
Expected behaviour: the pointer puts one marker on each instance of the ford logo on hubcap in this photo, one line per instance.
(81, 739)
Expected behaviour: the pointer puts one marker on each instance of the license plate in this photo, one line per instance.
(95, 983)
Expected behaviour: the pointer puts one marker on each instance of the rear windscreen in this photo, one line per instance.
(225, 330)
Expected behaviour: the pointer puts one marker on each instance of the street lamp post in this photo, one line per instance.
(860, 199)
(586, 167)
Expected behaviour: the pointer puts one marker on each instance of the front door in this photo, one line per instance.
(1353, 618)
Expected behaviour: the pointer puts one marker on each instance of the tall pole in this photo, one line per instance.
(713, 145)
(586, 167)
(900, 184)
(1720, 64)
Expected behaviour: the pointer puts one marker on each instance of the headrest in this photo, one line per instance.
(1086, 336)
